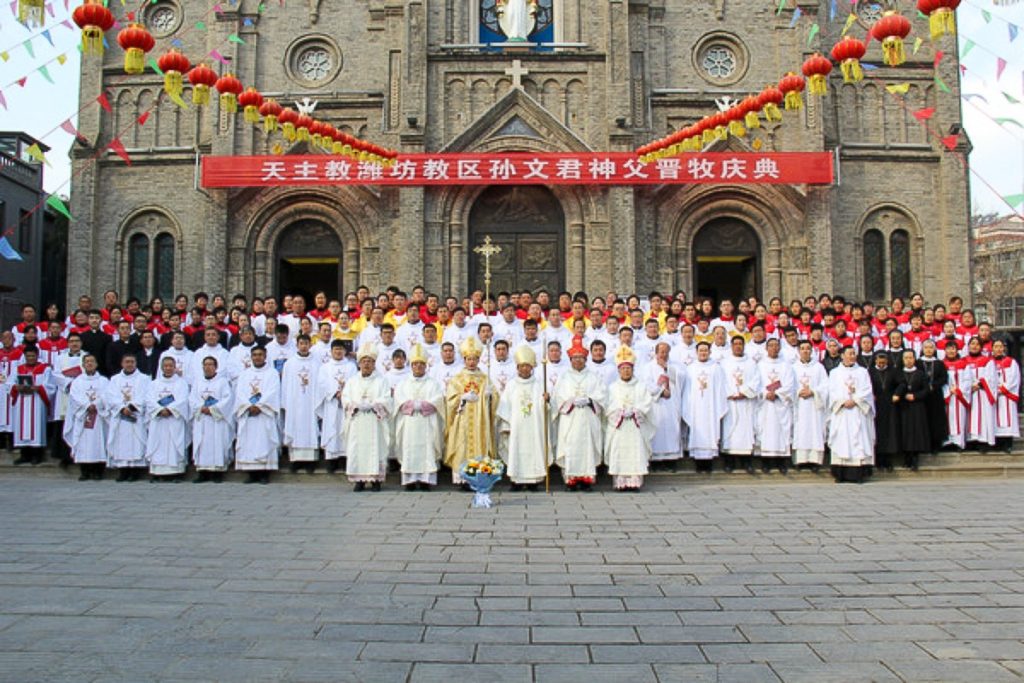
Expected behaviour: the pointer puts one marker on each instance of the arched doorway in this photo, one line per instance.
(727, 260)
(308, 260)
(528, 224)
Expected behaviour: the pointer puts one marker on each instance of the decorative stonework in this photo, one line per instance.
(313, 61)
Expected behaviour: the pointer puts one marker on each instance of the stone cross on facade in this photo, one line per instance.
(517, 71)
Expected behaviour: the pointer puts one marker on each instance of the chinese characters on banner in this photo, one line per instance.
(520, 169)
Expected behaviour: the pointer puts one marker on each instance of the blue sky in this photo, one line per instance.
(998, 157)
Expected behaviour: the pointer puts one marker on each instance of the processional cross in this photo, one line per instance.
(487, 250)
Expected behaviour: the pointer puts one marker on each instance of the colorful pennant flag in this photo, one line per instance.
(1014, 200)
(924, 114)
(1013, 32)
(55, 203)
(3, 100)
(36, 153)
(942, 84)
(156, 67)
(1002, 121)
(235, 38)
(61, 58)
(968, 46)
(813, 32)
(986, 15)
(117, 147)
(29, 49)
(796, 17)
(5, 55)
(69, 128)
(939, 54)
(1000, 66)
(143, 118)
(950, 141)
(7, 251)
(219, 57)
(898, 88)
(849, 22)
(201, 26)
(45, 73)
(22, 81)
(46, 34)
(918, 42)
(1010, 98)
(104, 102)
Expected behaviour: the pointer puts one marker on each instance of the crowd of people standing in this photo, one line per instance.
(578, 382)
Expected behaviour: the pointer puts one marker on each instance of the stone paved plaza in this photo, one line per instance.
(307, 581)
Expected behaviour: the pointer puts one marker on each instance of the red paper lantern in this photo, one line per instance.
(791, 86)
(891, 30)
(270, 110)
(174, 65)
(94, 19)
(302, 125)
(848, 52)
(817, 68)
(750, 106)
(287, 119)
(136, 41)
(735, 116)
(229, 88)
(251, 100)
(941, 16)
(770, 99)
(202, 79)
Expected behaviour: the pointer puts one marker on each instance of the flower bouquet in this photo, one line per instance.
(482, 474)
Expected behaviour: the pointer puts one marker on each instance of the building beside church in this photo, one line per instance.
(448, 76)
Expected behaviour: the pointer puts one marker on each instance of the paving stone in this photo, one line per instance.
(640, 654)
(716, 673)
(587, 635)
(845, 672)
(949, 671)
(533, 654)
(493, 673)
(594, 673)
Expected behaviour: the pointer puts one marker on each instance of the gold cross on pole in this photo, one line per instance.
(487, 250)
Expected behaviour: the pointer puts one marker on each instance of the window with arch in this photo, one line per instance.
(886, 254)
(149, 257)
(874, 268)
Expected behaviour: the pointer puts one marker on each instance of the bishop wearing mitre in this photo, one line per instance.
(471, 404)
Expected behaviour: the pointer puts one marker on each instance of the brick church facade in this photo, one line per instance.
(604, 76)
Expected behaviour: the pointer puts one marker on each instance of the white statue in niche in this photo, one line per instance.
(516, 18)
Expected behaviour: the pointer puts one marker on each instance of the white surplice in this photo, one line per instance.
(419, 405)
(810, 414)
(851, 431)
(704, 407)
(629, 431)
(258, 437)
(523, 424)
(666, 413)
(367, 431)
(579, 446)
(212, 434)
(1007, 397)
(775, 418)
(168, 436)
(330, 382)
(85, 436)
(126, 438)
(738, 427)
(298, 388)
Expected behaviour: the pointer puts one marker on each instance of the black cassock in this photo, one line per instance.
(887, 426)
(914, 434)
(938, 427)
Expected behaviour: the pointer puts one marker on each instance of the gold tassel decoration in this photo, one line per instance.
(852, 71)
(892, 51)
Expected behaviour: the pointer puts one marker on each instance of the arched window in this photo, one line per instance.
(138, 266)
(163, 284)
(899, 263)
(874, 265)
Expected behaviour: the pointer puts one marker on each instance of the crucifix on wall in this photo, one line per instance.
(517, 71)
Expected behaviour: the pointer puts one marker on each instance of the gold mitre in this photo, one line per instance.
(470, 348)
(624, 356)
(524, 354)
(368, 350)
(418, 355)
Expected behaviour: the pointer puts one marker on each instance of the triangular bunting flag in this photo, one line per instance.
(36, 153)
(217, 8)
(1014, 200)
(201, 26)
(986, 15)
(796, 17)
(156, 67)
(176, 42)
(924, 114)
(1000, 66)
(939, 54)
(22, 81)
(46, 34)
(5, 55)
(55, 203)
(29, 49)
(143, 118)
(104, 102)
(1006, 119)
(117, 147)
(813, 32)
(1013, 32)
(849, 22)
(918, 42)
(950, 141)
(942, 84)
(176, 98)
(67, 24)
(61, 59)
(833, 10)
(968, 46)
(969, 95)
(49, 9)
(219, 57)
(7, 251)
(235, 38)
(3, 100)
(247, 21)
(898, 88)
(69, 128)
(45, 73)
(1010, 98)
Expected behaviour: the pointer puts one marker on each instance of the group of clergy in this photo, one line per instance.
(576, 395)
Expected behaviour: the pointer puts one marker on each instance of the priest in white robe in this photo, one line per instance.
(775, 412)
(419, 424)
(665, 381)
(739, 425)
(579, 400)
(851, 429)
(85, 428)
(298, 386)
(524, 420)
(256, 407)
(331, 380)
(67, 365)
(169, 415)
(704, 407)
(124, 407)
(182, 356)
(629, 430)
(810, 409)
(213, 423)
(367, 431)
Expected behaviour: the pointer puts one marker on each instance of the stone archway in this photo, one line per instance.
(308, 259)
(528, 223)
(726, 260)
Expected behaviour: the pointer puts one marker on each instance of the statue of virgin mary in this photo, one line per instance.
(517, 18)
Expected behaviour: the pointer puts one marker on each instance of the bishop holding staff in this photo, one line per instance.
(419, 424)
(367, 401)
(523, 420)
(471, 407)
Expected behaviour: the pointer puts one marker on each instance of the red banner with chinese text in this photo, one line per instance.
(570, 168)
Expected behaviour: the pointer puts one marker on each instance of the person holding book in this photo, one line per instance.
(256, 409)
(31, 388)
(124, 407)
(85, 428)
(213, 424)
(168, 413)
